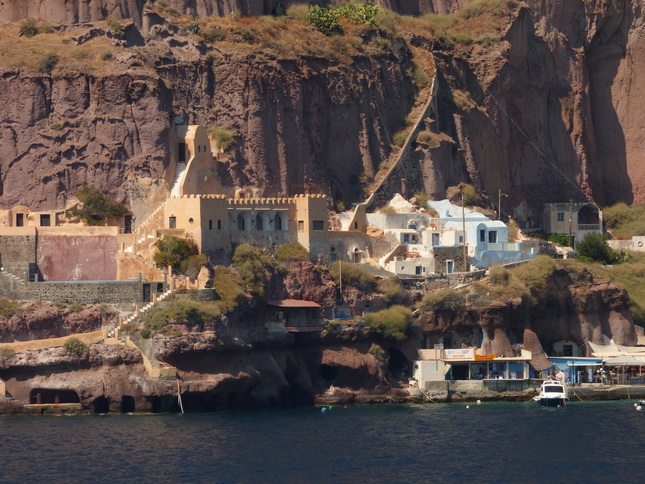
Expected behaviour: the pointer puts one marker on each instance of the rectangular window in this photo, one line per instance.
(560, 216)
(172, 222)
(319, 225)
(20, 220)
(210, 225)
(461, 239)
(181, 152)
(45, 220)
(301, 225)
(482, 235)
(567, 350)
(492, 236)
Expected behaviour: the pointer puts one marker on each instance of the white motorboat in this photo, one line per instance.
(552, 394)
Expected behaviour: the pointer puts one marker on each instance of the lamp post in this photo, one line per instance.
(499, 203)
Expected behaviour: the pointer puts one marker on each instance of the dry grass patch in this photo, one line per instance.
(18, 52)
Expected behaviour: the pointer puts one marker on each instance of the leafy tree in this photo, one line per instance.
(325, 20)
(222, 136)
(175, 251)
(251, 262)
(560, 239)
(392, 323)
(96, 208)
(594, 246)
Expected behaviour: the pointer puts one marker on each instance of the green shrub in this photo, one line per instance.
(471, 197)
(420, 78)
(213, 34)
(359, 13)
(251, 262)
(499, 276)
(174, 251)
(443, 300)
(392, 323)
(56, 126)
(339, 206)
(75, 346)
(291, 251)
(114, 24)
(399, 138)
(354, 276)
(442, 21)
(487, 40)
(298, 12)
(154, 319)
(228, 286)
(421, 199)
(9, 308)
(29, 27)
(379, 353)
(47, 62)
(97, 207)
(560, 239)
(535, 275)
(394, 292)
(595, 247)
(625, 221)
(222, 136)
(325, 20)
(193, 265)
(46, 29)
(77, 53)
(192, 312)
(106, 55)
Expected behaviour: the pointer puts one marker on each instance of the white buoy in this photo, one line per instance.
(636, 404)
(479, 402)
(467, 406)
(639, 408)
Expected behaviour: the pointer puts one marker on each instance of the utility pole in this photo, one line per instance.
(463, 227)
(570, 221)
(499, 203)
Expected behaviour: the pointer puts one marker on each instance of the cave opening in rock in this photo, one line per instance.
(327, 373)
(48, 395)
(101, 405)
(127, 404)
(398, 366)
(155, 404)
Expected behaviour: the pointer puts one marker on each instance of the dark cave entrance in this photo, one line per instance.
(327, 374)
(127, 404)
(49, 396)
(398, 366)
(155, 404)
(101, 405)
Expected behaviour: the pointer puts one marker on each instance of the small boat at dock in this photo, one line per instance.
(552, 394)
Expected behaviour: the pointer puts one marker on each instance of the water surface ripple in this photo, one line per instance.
(505, 442)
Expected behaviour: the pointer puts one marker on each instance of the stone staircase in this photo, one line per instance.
(147, 307)
(179, 177)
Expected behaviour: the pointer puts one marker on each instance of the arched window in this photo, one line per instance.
(258, 223)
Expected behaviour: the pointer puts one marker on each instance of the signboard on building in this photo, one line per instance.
(460, 353)
(485, 357)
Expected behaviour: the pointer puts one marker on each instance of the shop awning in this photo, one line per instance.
(626, 360)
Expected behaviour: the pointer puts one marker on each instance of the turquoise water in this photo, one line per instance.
(504, 442)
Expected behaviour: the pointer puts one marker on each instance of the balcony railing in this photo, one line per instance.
(588, 227)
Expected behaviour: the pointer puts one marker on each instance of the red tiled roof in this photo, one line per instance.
(293, 303)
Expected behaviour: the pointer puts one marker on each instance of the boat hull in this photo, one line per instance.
(552, 402)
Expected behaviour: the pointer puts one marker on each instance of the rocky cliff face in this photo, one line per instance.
(78, 11)
(556, 100)
(577, 307)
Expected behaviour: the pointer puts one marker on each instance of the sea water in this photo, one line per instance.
(491, 442)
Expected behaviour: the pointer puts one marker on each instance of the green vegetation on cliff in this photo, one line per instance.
(392, 323)
(181, 254)
(96, 207)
